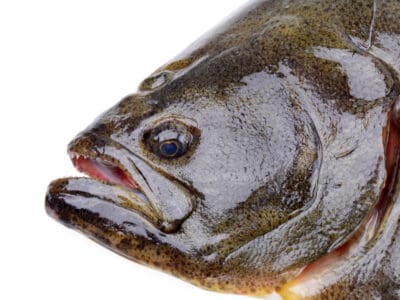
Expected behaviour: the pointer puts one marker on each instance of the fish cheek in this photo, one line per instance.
(257, 180)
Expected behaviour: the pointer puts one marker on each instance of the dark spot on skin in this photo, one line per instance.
(124, 245)
(102, 239)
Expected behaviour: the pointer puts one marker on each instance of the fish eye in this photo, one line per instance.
(170, 139)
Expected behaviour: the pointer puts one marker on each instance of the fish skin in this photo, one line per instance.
(289, 105)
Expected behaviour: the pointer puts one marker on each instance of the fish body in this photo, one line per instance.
(263, 158)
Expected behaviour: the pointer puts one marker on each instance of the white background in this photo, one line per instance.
(61, 64)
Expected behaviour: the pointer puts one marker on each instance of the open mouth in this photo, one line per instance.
(108, 184)
(105, 171)
(124, 179)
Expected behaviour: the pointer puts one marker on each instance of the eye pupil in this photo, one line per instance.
(169, 148)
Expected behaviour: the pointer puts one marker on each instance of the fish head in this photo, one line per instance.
(228, 166)
(184, 177)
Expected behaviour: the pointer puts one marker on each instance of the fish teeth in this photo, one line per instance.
(77, 156)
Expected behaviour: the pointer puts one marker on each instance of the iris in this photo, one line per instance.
(170, 149)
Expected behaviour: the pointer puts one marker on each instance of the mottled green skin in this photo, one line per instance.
(292, 100)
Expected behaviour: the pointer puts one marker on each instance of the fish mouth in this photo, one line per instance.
(110, 171)
(120, 177)
(106, 181)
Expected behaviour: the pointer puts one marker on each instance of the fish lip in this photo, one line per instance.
(91, 162)
(111, 164)
(96, 155)
(136, 170)
(90, 148)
